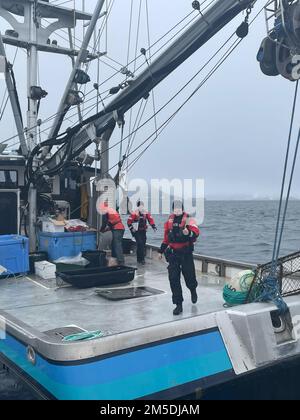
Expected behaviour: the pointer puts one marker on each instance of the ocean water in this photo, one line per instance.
(243, 231)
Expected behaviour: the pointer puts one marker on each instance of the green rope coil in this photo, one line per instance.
(85, 336)
(234, 298)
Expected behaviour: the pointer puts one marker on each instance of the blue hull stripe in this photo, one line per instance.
(129, 375)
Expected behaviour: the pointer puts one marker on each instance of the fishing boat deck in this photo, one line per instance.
(44, 306)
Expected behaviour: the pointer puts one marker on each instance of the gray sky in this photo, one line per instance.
(234, 131)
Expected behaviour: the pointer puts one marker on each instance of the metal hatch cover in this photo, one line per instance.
(128, 293)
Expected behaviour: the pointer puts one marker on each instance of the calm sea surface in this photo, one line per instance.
(235, 230)
(243, 230)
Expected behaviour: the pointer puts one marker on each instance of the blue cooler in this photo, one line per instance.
(14, 254)
(67, 244)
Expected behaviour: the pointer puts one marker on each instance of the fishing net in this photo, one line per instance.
(287, 274)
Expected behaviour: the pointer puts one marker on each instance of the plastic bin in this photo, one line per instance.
(36, 257)
(68, 244)
(127, 246)
(96, 258)
(97, 277)
(14, 254)
(62, 268)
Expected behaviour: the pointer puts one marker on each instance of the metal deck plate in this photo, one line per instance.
(128, 293)
(44, 307)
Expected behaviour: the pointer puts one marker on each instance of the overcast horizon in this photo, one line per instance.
(232, 134)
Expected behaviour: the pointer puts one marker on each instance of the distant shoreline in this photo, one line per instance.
(250, 199)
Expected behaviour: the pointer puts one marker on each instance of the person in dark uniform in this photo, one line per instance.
(111, 221)
(141, 218)
(180, 235)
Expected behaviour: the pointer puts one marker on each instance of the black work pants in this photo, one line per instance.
(141, 240)
(181, 263)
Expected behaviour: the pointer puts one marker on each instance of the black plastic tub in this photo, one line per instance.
(96, 258)
(97, 277)
(36, 257)
(127, 246)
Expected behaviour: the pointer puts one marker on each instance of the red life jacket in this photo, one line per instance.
(115, 221)
(172, 220)
(178, 240)
(141, 219)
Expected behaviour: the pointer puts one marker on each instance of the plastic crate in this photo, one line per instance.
(14, 254)
(68, 244)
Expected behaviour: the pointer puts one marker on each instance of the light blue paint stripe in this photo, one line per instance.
(128, 364)
(130, 387)
(133, 387)
(168, 377)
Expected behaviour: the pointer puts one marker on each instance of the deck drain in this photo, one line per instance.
(128, 293)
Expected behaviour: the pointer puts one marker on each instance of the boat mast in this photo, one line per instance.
(82, 56)
(32, 79)
(32, 114)
(34, 37)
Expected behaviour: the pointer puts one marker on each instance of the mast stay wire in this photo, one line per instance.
(160, 39)
(163, 107)
(135, 60)
(229, 51)
(65, 139)
(165, 104)
(149, 63)
(106, 91)
(276, 241)
(169, 120)
(128, 58)
(155, 43)
(5, 98)
(163, 126)
(271, 287)
(139, 118)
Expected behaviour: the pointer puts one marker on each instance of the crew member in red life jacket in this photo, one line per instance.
(111, 221)
(180, 235)
(142, 218)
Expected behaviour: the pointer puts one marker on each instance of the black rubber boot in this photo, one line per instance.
(178, 310)
(194, 296)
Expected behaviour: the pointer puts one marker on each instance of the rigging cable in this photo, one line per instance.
(271, 285)
(148, 64)
(135, 63)
(221, 61)
(236, 43)
(65, 139)
(229, 51)
(6, 99)
(117, 72)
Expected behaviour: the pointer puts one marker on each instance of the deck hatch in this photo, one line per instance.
(128, 293)
(60, 333)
